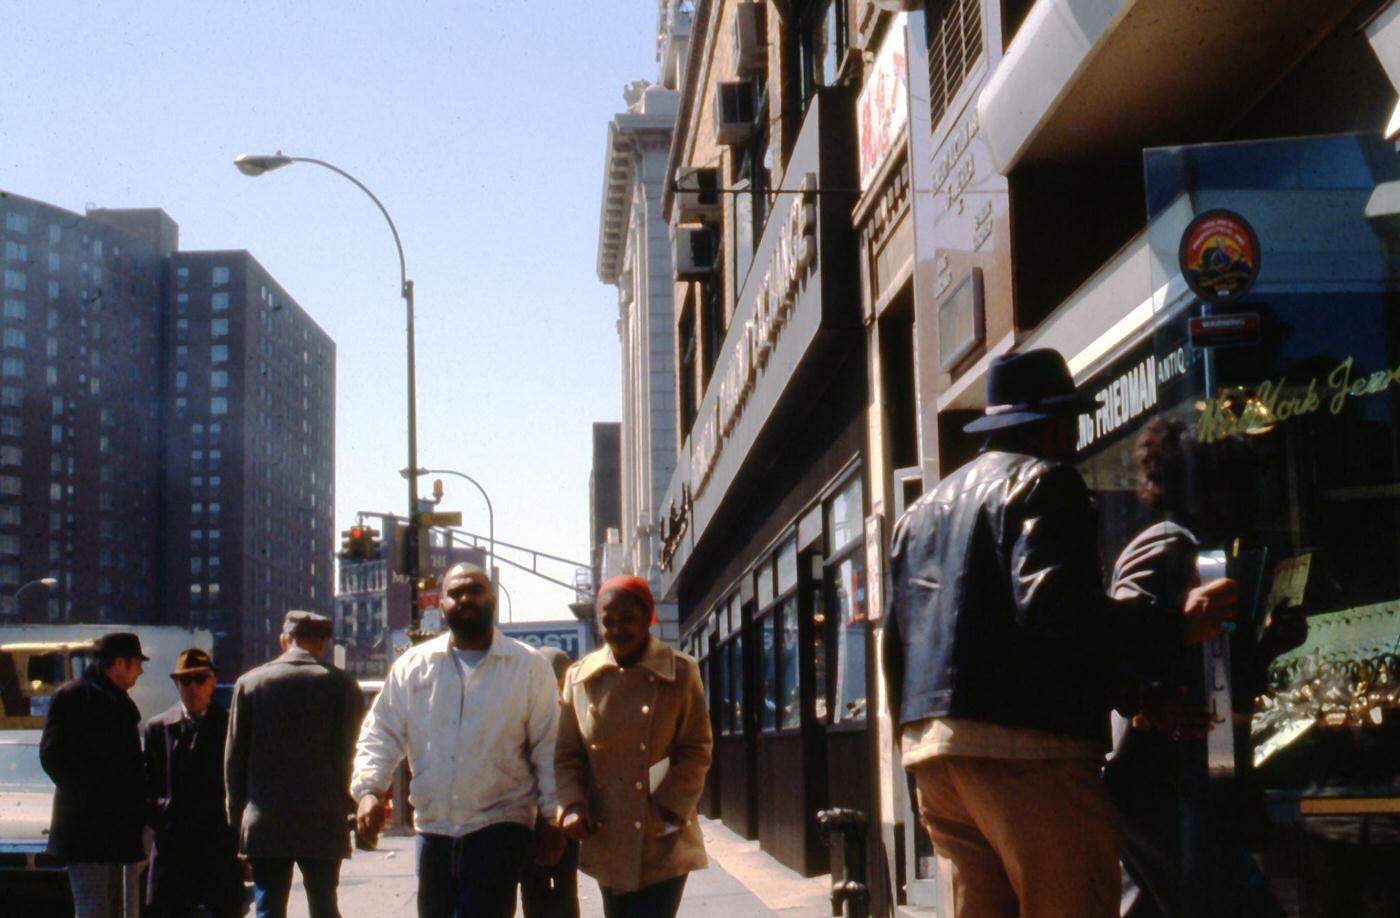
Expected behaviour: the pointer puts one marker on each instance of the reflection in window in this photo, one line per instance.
(736, 681)
(789, 685)
(767, 682)
(843, 518)
(849, 606)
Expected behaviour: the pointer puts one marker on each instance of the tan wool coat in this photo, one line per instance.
(615, 725)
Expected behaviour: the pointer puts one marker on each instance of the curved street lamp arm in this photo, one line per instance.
(403, 269)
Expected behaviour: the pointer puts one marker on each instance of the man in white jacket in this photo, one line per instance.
(475, 713)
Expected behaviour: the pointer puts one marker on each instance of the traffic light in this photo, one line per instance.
(359, 543)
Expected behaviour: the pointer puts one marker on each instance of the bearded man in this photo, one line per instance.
(475, 712)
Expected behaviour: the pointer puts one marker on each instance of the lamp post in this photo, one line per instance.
(254, 165)
(42, 581)
(510, 609)
(417, 473)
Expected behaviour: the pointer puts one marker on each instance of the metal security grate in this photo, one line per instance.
(954, 46)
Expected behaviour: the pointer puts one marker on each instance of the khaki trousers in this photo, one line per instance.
(1036, 838)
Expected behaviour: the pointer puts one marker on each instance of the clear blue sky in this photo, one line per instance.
(481, 127)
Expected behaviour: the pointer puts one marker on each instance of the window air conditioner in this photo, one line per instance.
(693, 251)
(736, 108)
(750, 42)
(697, 195)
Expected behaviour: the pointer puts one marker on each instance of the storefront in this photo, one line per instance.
(762, 536)
(1257, 408)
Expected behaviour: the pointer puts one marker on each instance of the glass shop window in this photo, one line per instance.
(845, 581)
(767, 683)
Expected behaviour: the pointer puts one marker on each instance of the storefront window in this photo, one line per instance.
(1259, 431)
(821, 670)
(734, 673)
(848, 593)
(843, 517)
(767, 683)
(789, 686)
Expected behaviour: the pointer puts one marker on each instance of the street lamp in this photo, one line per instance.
(42, 581)
(510, 609)
(255, 165)
(490, 513)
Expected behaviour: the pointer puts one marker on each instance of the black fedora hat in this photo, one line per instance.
(1028, 386)
(120, 645)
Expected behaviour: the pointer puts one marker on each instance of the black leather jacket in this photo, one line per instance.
(997, 610)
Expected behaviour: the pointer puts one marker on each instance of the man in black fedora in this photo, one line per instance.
(195, 860)
(91, 748)
(1000, 649)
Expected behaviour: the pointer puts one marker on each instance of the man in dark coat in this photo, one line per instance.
(1000, 650)
(195, 860)
(91, 748)
(292, 730)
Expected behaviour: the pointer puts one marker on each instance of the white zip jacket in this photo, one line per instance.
(481, 752)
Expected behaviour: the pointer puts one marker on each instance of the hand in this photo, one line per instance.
(578, 822)
(369, 819)
(1208, 609)
(1164, 710)
(549, 843)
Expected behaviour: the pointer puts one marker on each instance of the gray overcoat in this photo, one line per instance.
(291, 740)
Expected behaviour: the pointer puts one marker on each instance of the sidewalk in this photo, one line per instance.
(741, 882)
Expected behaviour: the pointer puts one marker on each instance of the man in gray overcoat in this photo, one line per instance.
(291, 740)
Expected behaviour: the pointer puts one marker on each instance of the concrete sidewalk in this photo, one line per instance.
(741, 882)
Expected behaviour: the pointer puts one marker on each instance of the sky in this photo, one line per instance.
(480, 125)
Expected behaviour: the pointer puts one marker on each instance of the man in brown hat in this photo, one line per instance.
(91, 748)
(195, 860)
(1001, 649)
(292, 732)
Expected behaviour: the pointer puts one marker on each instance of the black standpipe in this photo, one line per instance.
(851, 896)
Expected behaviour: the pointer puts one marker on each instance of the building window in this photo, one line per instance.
(53, 294)
(181, 379)
(17, 223)
(218, 302)
(218, 353)
(11, 455)
(954, 46)
(218, 379)
(218, 405)
(9, 513)
(11, 397)
(14, 338)
(846, 589)
(14, 280)
(11, 426)
(11, 484)
(220, 275)
(218, 328)
(15, 309)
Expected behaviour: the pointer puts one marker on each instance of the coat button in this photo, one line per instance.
(646, 709)
(593, 746)
(636, 825)
(639, 785)
(592, 708)
(651, 678)
(644, 747)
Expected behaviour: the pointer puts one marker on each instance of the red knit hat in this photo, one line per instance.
(637, 586)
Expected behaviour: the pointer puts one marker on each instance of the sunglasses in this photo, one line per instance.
(192, 678)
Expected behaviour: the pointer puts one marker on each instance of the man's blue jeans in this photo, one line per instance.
(474, 876)
(272, 884)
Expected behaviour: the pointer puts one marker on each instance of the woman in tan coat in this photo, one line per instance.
(634, 746)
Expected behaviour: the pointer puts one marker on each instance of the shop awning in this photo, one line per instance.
(1085, 80)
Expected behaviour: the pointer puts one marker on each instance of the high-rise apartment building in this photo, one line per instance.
(166, 432)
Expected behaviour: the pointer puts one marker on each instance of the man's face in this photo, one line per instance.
(624, 621)
(467, 604)
(195, 690)
(124, 671)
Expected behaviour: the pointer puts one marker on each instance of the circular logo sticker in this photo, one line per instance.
(1219, 256)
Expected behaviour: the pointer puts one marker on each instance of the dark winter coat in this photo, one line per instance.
(292, 731)
(91, 748)
(997, 610)
(195, 860)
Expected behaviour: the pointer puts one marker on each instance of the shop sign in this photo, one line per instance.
(674, 525)
(794, 259)
(1130, 395)
(1254, 409)
(566, 638)
(1234, 330)
(1219, 256)
(882, 109)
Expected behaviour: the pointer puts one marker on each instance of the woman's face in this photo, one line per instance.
(625, 622)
